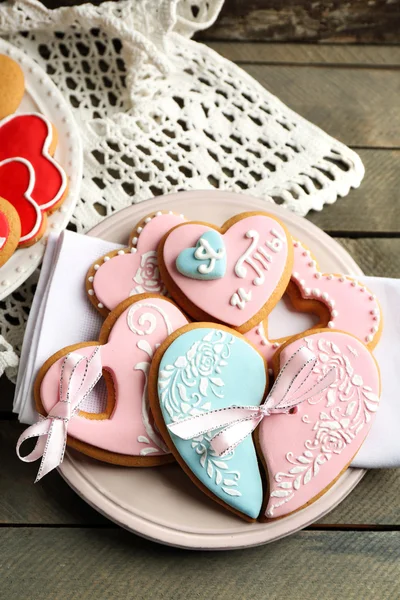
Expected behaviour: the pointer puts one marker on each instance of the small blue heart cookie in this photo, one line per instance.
(206, 261)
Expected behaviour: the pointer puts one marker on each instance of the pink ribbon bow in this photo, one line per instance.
(237, 422)
(79, 375)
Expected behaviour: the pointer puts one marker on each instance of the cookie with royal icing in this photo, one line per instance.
(304, 452)
(30, 178)
(234, 274)
(10, 230)
(198, 372)
(339, 301)
(134, 270)
(12, 85)
(123, 432)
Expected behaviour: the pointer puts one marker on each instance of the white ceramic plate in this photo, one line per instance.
(162, 503)
(41, 95)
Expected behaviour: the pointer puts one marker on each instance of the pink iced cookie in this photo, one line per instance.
(134, 270)
(306, 451)
(339, 301)
(124, 433)
(232, 275)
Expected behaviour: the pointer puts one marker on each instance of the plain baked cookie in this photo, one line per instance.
(10, 230)
(12, 85)
(134, 270)
(121, 431)
(234, 274)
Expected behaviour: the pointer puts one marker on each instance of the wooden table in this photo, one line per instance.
(54, 546)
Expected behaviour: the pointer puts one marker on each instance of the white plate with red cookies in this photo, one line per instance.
(36, 97)
(162, 503)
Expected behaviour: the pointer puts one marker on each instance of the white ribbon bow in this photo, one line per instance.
(237, 422)
(79, 375)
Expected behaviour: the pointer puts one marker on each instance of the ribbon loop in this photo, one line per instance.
(235, 423)
(79, 375)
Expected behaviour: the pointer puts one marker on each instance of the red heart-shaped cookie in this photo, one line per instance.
(32, 137)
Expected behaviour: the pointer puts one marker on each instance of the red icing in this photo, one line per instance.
(16, 179)
(29, 136)
(4, 230)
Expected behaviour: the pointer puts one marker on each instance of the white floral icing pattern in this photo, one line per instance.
(346, 408)
(148, 275)
(184, 390)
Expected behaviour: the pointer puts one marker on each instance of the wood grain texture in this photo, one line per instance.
(378, 257)
(357, 106)
(311, 54)
(300, 20)
(50, 502)
(374, 208)
(86, 564)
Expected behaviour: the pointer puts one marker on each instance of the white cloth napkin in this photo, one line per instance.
(61, 315)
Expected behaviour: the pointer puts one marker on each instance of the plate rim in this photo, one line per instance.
(73, 472)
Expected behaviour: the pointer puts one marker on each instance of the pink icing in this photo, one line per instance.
(214, 297)
(352, 306)
(126, 356)
(307, 450)
(135, 271)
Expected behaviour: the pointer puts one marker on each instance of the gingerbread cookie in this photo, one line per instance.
(134, 270)
(124, 432)
(33, 138)
(12, 86)
(234, 274)
(340, 302)
(17, 180)
(196, 373)
(10, 230)
(305, 452)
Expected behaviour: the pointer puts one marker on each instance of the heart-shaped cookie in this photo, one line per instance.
(123, 273)
(10, 230)
(33, 137)
(198, 369)
(340, 302)
(12, 85)
(17, 180)
(206, 261)
(237, 278)
(306, 451)
(124, 432)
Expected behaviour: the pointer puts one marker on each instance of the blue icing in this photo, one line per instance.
(206, 261)
(206, 369)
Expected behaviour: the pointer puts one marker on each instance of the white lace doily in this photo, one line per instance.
(160, 113)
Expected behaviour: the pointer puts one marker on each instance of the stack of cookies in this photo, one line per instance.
(262, 426)
(32, 183)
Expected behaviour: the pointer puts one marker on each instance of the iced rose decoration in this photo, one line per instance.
(148, 274)
(331, 435)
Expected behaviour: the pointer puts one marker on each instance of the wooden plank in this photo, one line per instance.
(357, 106)
(89, 564)
(7, 390)
(49, 502)
(52, 502)
(374, 502)
(374, 207)
(379, 257)
(311, 54)
(304, 20)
